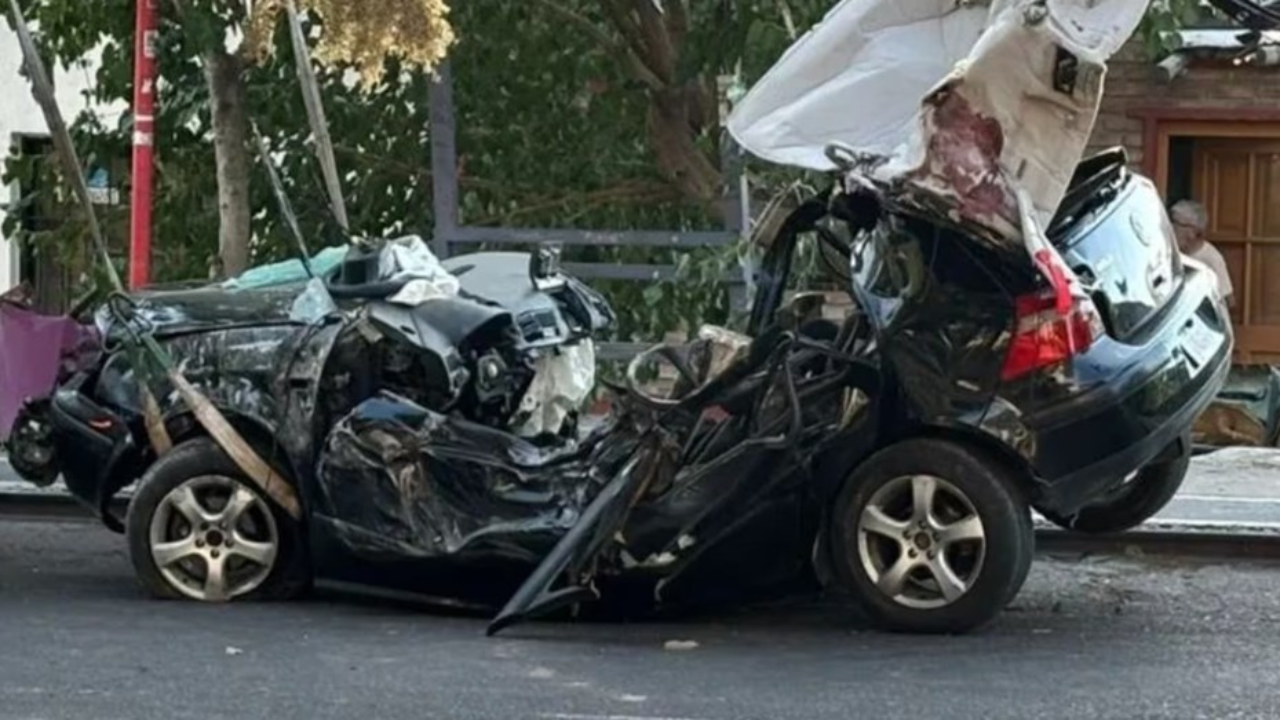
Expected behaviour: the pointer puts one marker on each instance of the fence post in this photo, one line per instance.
(737, 211)
(444, 159)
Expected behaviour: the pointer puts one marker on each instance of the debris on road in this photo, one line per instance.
(1246, 412)
(680, 645)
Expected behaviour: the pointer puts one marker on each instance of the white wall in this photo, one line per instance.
(19, 114)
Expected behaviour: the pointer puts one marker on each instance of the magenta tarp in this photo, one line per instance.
(33, 348)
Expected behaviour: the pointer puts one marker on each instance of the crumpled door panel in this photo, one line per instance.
(400, 480)
(700, 470)
(646, 495)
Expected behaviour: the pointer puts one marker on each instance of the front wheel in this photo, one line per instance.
(199, 529)
(930, 536)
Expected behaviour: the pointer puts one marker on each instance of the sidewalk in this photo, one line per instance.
(1234, 490)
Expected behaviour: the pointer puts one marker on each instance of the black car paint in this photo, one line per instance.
(248, 372)
(943, 310)
(696, 491)
(940, 309)
(168, 313)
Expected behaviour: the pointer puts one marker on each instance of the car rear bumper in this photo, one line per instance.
(1082, 445)
(1069, 492)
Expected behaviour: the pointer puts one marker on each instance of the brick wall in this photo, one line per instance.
(1133, 82)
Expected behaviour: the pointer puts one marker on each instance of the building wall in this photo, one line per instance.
(20, 115)
(1134, 84)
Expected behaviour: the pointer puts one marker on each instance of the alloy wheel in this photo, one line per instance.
(213, 539)
(921, 541)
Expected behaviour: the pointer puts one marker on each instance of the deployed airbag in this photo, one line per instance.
(951, 104)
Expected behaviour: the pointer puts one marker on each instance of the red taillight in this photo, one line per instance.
(1044, 336)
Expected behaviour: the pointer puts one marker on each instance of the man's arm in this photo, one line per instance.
(1223, 274)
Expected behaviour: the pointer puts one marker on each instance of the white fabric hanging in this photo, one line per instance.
(973, 103)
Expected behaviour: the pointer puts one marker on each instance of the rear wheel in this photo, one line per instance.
(930, 536)
(198, 529)
(1143, 494)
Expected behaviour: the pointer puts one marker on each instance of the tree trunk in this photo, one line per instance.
(225, 75)
(653, 37)
(675, 119)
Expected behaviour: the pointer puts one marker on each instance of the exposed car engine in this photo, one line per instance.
(512, 347)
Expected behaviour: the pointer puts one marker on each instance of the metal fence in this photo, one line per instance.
(452, 236)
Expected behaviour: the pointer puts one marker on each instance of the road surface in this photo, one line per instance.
(1091, 639)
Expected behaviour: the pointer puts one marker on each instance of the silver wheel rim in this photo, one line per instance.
(213, 539)
(921, 542)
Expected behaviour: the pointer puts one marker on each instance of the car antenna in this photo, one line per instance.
(139, 343)
(316, 116)
(286, 207)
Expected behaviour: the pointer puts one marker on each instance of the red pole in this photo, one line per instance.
(144, 107)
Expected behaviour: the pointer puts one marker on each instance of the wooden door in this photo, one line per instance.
(1238, 180)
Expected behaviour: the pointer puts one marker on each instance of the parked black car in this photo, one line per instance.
(898, 452)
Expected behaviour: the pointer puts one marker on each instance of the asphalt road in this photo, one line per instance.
(1087, 639)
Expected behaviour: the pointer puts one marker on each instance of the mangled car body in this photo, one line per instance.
(1011, 90)
(430, 441)
(1024, 335)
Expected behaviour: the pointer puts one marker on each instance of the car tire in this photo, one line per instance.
(1137, 501)
(195, 509)
(977, 527)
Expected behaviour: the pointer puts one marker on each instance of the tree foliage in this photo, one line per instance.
(1163, 18)
(364, 35)
(596, 114)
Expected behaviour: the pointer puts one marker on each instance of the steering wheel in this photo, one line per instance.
(669, 352)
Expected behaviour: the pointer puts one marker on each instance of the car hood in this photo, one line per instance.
(207, 308)
(970, 108)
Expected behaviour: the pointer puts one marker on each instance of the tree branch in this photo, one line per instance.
(663, 54)
(583, 22)
(627, 25)
(631, 62)
(639, 56)
(678, 21)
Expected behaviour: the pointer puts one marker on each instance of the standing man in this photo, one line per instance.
(1190, 221)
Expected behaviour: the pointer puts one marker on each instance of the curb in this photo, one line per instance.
(43, 506)
(21, 501)
(1210, 539)
(1201, 544)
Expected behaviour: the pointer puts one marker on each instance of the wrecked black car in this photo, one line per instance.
(1023, 334)
(436, 445)
(896, 452)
